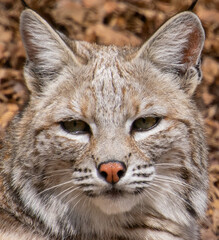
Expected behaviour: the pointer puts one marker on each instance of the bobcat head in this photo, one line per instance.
(111, 139)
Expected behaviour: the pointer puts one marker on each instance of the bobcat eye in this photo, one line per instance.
(145, 124)
(75, 127)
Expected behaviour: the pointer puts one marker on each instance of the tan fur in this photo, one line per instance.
(50, 184)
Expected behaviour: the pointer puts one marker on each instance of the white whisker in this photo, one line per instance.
(173, 180)
(60, 170)
(170, 192)
(52, 174)
(159, 193)
(72, 199)
(70, 189)
(168, 165)
(54, 187)
(55, 175)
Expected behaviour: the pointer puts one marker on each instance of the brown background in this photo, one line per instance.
(128, 22)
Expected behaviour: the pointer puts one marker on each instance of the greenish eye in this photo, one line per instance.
(145, 124)
(75, 127)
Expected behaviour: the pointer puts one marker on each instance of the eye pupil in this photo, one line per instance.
(145, 124)
(75, 126)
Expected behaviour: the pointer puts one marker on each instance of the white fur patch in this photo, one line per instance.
(115, 206)
(82, 138)
(164, 124)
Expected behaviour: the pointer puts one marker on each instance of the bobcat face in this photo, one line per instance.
(110, 118)
(111, 135)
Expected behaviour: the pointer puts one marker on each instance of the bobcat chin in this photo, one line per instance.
(110, 145)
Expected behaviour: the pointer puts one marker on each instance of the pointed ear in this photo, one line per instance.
(176, 48)
(47, 51)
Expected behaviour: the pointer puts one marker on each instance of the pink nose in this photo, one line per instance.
(112, 171)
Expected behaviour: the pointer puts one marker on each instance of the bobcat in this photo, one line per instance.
(110, 145)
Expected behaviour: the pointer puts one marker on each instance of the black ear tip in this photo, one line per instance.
(192, 5)
(24, 4)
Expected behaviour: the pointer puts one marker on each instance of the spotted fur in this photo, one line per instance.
(49, 179)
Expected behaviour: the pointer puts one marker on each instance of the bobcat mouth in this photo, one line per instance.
(109, 193)
(113, 192)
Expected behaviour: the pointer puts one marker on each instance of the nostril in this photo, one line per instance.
(103, 174)
(121, 173)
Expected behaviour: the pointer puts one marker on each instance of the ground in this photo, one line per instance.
(128, 22)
